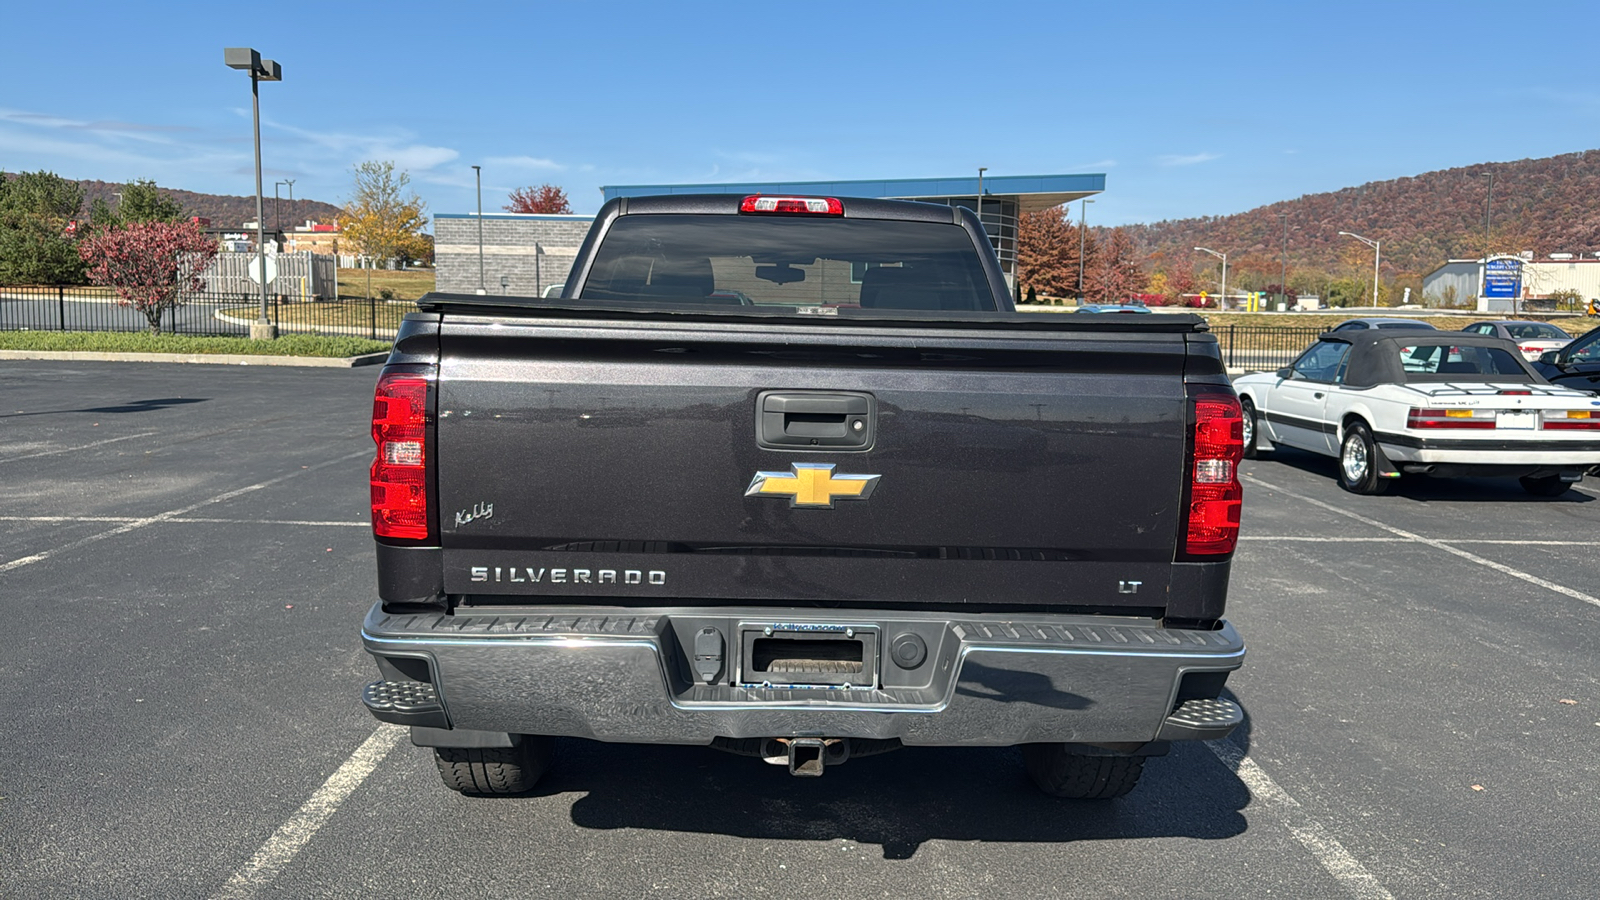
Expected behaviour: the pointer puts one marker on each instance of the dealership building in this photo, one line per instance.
(1504, 283)
(526, 254)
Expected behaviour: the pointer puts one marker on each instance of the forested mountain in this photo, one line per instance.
(225, 211)
(1547, 206)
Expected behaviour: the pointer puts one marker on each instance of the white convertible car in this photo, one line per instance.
(1414, 402)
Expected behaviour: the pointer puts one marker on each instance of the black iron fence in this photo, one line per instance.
(201, 313)
(1255, 347)
(1262, 348)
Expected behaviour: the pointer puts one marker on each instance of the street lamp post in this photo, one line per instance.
(1083, 229)
(260, 70)
(1222, 302)
(277, 215)
(1488, 207)
(1283, 271)
(1377, 254)
(290, 183)
(477, 171)
(981, 170)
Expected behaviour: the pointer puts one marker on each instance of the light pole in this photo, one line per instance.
(1283, 271)
(1488, 205)
(1377, 254)
(1222, 302)
(260, 70)
(290, 183)
(1083, 229)
(277, 217)
(478, 172)
(981, 170)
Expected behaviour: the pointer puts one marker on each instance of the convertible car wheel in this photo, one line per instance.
(1249, 410)
(1358, 462)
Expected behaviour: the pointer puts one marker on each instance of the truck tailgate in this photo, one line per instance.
(581, 460)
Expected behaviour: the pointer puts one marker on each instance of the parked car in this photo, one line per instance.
(1534, 339)
(1383, 323)
(1577, 365)
(1447, 403)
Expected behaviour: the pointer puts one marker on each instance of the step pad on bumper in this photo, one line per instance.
(405, 703)
(1202, 720)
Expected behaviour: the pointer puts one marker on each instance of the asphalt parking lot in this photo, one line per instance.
(184, 563)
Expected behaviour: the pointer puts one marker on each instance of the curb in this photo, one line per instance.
(215, 359)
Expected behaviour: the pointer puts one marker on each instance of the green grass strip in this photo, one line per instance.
(129, 342)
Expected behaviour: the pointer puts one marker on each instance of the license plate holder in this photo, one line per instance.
(1516, 421)
(805, 655)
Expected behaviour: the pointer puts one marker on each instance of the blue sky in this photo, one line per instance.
(1189, 109)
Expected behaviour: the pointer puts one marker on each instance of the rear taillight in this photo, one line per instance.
(399, 472)
(1569, 420)
(1214, 492)
(1449, 418)
(805, 206)
(1533, 350)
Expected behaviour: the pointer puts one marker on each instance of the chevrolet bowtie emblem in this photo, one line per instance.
(812, 484)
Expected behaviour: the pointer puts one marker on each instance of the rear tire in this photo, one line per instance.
(1251, 423)
(1075, 776)
(494, 771)
(1546, 486)
(1358, 462)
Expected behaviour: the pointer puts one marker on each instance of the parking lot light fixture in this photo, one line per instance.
(1083, 229)
(483, 287)
(260, 70)
(1377, 253)
(1222, 302)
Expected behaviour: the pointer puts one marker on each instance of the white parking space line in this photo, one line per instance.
(1319, 540)
(192, 520)
(1384, 540)
(126, 437)
(295, 833)
(1346, 869)
(1431, 542)
(174, 513)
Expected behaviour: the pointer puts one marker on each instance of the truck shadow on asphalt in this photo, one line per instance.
(132, 406)
(1418, 488)
(898, 801)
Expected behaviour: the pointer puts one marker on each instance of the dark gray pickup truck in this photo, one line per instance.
(791, 478)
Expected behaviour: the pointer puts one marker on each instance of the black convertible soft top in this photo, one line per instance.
(1376, 357)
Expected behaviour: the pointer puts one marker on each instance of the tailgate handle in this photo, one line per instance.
(833, 420)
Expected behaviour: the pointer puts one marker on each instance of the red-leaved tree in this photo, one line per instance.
(151, 265)
(546, 198)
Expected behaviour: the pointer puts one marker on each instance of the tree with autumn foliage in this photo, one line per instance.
(1115, 273)
(384, 218)
(150, 265)
(546, 198)
(1047, 252)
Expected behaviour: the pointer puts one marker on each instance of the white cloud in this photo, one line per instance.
(1191, 159)
(524, 162)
